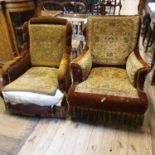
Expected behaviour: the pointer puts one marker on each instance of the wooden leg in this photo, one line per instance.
(153, 79)
(146, 25)
(148, 41)
(120, 7)
(153, 64)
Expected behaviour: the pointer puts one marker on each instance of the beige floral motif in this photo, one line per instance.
(132, 66)
(110, 39)
(36, 79)
(47, 44)
(108, 81)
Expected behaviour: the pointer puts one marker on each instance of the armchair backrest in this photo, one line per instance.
(49, 39)
(112, 38)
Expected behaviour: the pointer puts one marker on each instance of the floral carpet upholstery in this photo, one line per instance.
(109, 81)
(37, 79)
(49, 40)
(108, 43)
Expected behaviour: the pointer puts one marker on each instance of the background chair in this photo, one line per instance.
(36, 81)
(74, 7)
(111, 5)
(110, 73)
(52, 5)
(94, 7)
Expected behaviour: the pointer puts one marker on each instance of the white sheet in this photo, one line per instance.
(16, 97)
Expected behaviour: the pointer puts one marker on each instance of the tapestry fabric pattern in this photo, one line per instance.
(36, 79)
(47, 44)
(109, 81)
(111, 40)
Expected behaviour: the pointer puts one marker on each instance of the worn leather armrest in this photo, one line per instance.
(63, 71)
(16, 67)
(81, 66)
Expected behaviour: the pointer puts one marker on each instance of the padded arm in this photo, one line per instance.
(14, 68)
(81, 66)
(140, 78)
(63, 71)
(137, 69)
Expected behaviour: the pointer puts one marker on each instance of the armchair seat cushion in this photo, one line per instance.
(108, 89)
(39, 85)
(109, 81)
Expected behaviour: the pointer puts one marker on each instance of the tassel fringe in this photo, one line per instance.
(106, 117)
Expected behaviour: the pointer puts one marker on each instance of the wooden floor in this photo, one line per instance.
(35, 136)
(31, 136)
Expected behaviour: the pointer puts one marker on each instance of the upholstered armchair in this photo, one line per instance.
(35, 83)
(109, 75)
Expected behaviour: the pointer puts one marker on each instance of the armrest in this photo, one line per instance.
(16, 67)
(140, 78)
(81, 66)
(137, 69)
(63, 71)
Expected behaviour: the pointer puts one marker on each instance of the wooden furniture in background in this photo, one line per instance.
(13, 14)
(74, 7)
(94, 7)
(141, 6)
(52, 5)
(110, 6)
(66, 6)
(150, 25)
(153, 64)
(153, 79)
(78, 22)
(6, 48)
(17, 12)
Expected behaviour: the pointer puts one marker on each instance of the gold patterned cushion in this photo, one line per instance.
(37, 79)
(111, 39)
(108, 81)
(132, 66)
(47, 44)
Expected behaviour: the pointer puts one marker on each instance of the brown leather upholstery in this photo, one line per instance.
(21, 64)
(100, 87)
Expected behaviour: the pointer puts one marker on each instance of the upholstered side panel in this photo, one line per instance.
(37, 79)
(111, 39)
(47, 44)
